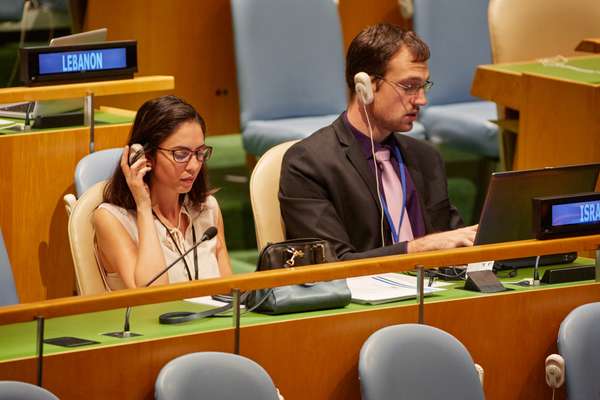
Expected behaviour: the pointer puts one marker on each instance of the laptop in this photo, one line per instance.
(54, 107)
(507, 210)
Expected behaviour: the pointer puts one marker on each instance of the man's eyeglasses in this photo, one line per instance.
(410, 89)
(184, 155)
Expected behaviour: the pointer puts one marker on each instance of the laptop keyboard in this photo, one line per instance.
(16, 107)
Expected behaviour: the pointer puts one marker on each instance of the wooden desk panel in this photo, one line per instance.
(36, 171)
(112, 136)
(559, 122)
(316, 357)
(118, 372)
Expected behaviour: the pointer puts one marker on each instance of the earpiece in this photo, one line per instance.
(364, 91)
(363, 87)
(136, 151)
(555, 371)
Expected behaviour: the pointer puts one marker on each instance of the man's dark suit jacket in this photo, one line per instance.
(327, 191)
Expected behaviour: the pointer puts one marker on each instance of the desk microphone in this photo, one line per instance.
(210, 233)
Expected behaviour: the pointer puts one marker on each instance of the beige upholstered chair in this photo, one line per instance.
(81, 237)
(527, 30)
(264, 187)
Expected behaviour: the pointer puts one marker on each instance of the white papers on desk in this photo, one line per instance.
(5, 123)
(384, 288)
(209, 301)
(412, 280)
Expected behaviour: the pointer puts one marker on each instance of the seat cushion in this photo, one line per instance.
(260, 136)
(464, 125)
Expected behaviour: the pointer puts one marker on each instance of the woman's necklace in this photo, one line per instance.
(187, 268)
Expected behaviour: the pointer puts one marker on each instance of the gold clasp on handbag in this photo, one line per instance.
(295, 253)
(322, 248)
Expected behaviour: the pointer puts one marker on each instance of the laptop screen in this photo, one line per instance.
(507, 210)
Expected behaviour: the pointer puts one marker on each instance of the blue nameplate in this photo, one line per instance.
(567, 215)
(88, 62)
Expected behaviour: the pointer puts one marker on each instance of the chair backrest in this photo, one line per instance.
(215, 376)
(96, 167)
(527, 30)
(413, 361)
(457, 34)
(14, 390)
(81, 237)
(11, 10)
(290, 59)
(578, 344)
(8, 290)
(264, 190)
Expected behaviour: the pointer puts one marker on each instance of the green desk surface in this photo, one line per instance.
(18, 340)
(100, 118)
(588, 63)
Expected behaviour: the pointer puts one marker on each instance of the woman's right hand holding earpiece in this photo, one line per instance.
(134, 175)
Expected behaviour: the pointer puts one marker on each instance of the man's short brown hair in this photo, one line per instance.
(373, 48)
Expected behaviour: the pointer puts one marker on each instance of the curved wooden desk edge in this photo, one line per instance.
(138, 84)
(343, 269)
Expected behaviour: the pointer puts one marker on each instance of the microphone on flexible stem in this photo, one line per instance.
(126, 332)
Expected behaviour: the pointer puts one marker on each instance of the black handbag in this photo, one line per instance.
(298, 298)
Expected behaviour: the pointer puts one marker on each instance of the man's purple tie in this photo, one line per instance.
(392, 188)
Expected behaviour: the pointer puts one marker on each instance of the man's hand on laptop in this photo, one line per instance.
(461, 237)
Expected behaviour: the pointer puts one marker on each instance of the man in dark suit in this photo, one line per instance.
(335, 184)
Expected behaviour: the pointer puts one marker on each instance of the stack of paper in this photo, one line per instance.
(385, 288)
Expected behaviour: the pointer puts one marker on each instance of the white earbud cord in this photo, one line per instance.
(376, 173)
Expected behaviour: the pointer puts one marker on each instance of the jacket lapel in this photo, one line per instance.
(356, 157)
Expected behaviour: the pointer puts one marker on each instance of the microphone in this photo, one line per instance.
(208, 234)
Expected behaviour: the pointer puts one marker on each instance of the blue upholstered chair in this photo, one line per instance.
(457, 34)
(91, 174)
(11, 10)
(578, 345)
(215, 376)
(91, 169)
(14, 390)
(8, 291)
(290, 69)
(96, 167)
(413, 361)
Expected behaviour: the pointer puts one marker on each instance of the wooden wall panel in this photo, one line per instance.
(193, 41)
(358, 14)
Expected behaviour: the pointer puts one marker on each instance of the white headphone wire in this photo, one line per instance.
(376, 173)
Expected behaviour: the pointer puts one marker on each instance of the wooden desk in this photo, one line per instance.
(558, 110)
(315, 355)
(309, 355)
(36, 171)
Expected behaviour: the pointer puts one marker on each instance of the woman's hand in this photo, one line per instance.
(134, 175)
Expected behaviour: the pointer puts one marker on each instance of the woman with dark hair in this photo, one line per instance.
(159, 206)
